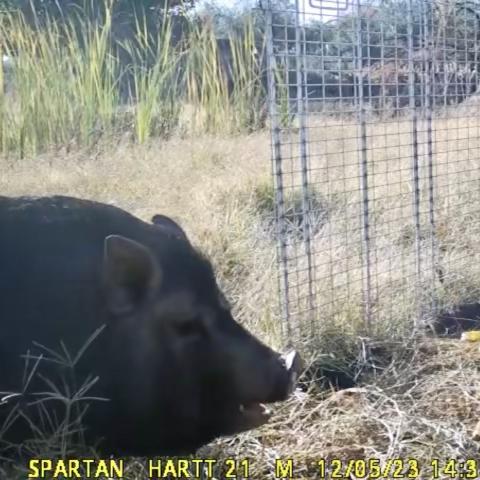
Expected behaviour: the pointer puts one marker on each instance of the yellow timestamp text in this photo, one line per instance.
(239, 469)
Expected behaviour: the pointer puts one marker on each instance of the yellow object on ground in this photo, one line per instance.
(471, 336)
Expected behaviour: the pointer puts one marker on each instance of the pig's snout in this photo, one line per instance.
(288, 367)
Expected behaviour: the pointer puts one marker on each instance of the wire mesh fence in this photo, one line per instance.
(375, 126)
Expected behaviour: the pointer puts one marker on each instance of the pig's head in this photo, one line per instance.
(182, 371)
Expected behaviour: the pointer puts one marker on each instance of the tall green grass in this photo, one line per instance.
(156, 84)
(65, 86)
(248, 93)
(61, 92)
(207, 85)
(218, 106)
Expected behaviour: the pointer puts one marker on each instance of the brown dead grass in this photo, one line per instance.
(423, 405)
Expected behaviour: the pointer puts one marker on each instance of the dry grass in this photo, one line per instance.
(423, 402)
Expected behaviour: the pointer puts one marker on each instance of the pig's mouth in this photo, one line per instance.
(254, 414)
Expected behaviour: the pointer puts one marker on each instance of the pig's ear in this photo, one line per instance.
(131, 274)
(170, 226)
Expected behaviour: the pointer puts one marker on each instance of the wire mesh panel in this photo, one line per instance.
(375, 123)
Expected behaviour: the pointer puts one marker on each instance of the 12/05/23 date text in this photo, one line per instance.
(398, 468)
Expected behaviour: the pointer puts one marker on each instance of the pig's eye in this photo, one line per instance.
(190, 328)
